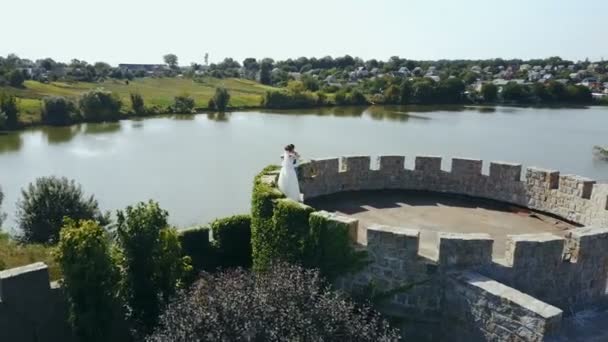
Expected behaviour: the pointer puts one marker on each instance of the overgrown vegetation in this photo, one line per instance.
(220, 100)
(44, 204)
(283, 304)
(15, 254)
(99, 105)
(90, 279)
(183, 104)
(285, 230)
(151, 262)
(58, 111)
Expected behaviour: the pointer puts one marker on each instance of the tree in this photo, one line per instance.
(57, 110)
(170, 60)
(283, 304)
(90, 279)
(405, 92)
(8, 106)
(102, 69)
(557, 91)
(221, 99)
(449, 91)
(45, 203)
(392, 94)
(183, 104)
(99, 105)
(16, 79)
(137, 104)
(513, 92)
(489, 91)
(265, 72)
(423, 91)
(152, 262)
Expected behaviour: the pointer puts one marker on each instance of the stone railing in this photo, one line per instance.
(571, 197)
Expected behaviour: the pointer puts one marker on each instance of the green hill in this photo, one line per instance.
(155, 91)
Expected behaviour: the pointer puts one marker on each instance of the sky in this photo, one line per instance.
(142, 31)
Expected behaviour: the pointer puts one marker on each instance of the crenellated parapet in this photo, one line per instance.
(571, 197)
(461, 288)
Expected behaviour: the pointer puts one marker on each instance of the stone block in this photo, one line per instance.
(588, 244)
(427, 164)
(391, 164)
(576, 186)
(355, 164)
(535, 251)
(464, 250)
(466, 167)
(546, 179)
(396, 242)
(501, 171)
(325, 167)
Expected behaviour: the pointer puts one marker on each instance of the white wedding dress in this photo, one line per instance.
(288, 179)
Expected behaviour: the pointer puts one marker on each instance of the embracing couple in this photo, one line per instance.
(288, 179)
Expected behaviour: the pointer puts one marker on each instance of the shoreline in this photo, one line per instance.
(201, 110)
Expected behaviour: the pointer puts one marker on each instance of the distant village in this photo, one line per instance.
(330, 72)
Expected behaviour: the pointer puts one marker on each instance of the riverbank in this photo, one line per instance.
(156, 92)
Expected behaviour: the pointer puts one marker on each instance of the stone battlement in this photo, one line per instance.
(461, 292)
(574, 198)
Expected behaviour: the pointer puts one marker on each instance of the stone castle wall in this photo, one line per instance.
(462, 291)
(571, 197)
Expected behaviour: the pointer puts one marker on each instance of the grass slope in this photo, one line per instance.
(13, 254)
(155, 91)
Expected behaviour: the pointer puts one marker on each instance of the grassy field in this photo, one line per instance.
(155, 91)
(13, 254)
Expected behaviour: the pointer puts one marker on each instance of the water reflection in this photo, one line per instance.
(183, 117)
(101, 128)
(219, 117)
(10, 142)
(60, 135)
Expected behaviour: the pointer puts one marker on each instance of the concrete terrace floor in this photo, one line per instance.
(432, 213)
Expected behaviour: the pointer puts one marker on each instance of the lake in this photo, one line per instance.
(201, 167)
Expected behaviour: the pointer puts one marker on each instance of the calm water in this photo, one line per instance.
(201, 167)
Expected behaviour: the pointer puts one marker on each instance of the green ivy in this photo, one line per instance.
(262, 207)
(290, 231)
(232, 240)
(331, 249)
(285, 230)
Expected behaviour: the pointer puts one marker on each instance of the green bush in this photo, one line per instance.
(221, 99)
(16, 79)
(137, 104)
(183, 104)
(286, 99)
(262, 208)
(90, 279)
(151, 261)
(45, 203)
(57, 110)
(99, 105)
(232, 238)
(8, 106)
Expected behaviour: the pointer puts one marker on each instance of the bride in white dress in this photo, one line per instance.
(288, 179)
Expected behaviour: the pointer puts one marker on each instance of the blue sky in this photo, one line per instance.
(138, 31)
